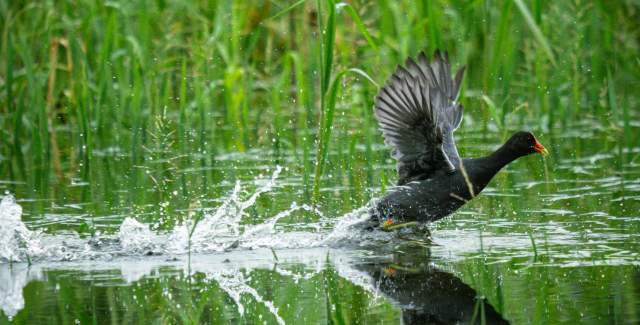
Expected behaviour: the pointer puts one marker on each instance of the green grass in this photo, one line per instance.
(79, 78)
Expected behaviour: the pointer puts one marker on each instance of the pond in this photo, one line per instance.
(549, 241)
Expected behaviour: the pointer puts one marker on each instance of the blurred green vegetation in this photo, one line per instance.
(168, 85)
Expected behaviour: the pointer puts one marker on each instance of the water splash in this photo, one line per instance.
(136, 237)
(17, 242)
(225, 228)
(235, 284)
(219, 229)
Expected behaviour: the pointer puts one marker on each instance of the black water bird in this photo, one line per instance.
(418, 111)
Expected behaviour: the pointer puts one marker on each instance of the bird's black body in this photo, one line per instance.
(418, 113)
(439, 195)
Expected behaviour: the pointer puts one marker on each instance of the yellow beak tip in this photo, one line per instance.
(544, 152)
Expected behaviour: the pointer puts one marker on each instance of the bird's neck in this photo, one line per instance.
(486, 167)
(501, 157)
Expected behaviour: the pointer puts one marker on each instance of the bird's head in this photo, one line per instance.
(524, 143)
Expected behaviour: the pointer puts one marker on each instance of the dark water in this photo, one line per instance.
(553, 241)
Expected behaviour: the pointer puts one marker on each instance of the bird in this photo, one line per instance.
(418, 110)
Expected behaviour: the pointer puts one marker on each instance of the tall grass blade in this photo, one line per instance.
(493, 110)
(535, 29)
(329, 33)
(327, 125)
(327, 41)
(359, 24)
(324, 134)
(286, 10)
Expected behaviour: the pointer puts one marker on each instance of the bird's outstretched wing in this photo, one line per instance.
(418, 111)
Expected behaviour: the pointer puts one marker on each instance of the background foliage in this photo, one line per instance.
(166, 85)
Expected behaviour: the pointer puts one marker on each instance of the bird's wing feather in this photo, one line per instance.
(418, 111)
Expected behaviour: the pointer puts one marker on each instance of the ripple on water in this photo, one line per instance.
(218, 230)
(468, 233)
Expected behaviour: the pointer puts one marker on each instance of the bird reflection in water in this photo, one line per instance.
(428, 295)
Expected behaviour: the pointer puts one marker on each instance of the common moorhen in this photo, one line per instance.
(418, 110)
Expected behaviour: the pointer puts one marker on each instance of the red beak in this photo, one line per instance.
(539, 148)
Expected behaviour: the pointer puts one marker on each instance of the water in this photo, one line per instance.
(241, 245)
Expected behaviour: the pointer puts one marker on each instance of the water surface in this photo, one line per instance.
(552, 241)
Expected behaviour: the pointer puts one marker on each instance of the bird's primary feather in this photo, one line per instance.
(418, 111)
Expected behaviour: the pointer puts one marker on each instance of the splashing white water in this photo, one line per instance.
(136, 237)
(17, 243)
(219, 229)
(235, 284)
